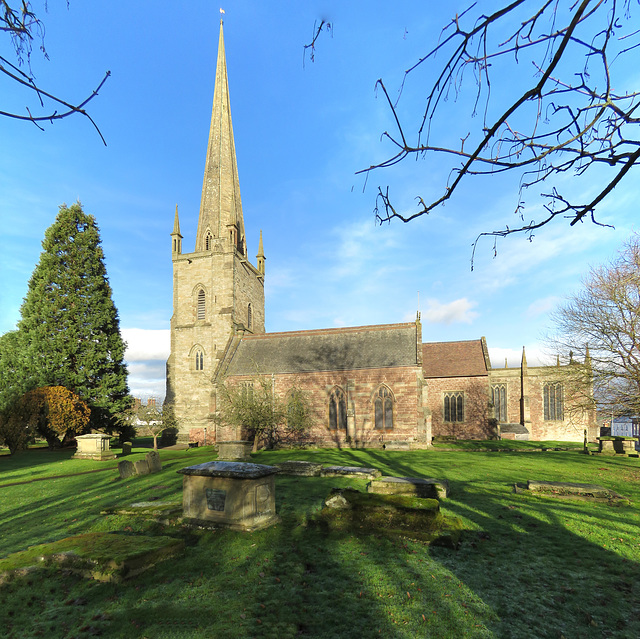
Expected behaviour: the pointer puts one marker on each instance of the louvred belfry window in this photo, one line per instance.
(201, 312)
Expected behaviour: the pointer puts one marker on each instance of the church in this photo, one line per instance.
(368, 386)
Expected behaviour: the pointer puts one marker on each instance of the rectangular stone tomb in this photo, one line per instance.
(234, 495)
(351, 471)
(416, 486)
(617, 445)
(94, 446)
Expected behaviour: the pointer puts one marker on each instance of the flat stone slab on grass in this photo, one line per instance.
(154, 509)
(100, 556)
(351, 471)
(348, 510)
(299, 468)
(416, 486)
(569, 489)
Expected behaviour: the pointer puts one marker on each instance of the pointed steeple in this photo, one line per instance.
(176, 238)
(260, 256)
(221, 206)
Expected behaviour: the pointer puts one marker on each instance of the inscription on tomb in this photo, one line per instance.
(216, 499)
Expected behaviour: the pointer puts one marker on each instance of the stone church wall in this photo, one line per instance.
(475, 424)
(360, 387)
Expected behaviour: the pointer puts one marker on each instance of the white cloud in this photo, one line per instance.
(543, 306)
(458, 311)
(535, 356)
(146, 355)
(144, 344)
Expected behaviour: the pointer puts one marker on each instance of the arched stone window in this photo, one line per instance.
(454, 406)
(201, 305)
(499, 401)
(208, 241)
(249, 317)
(199, 360)
(337, 409)
(383, 409)
(553, 402)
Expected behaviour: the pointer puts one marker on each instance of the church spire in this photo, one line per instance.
(260, 256)
(221, 206)
(176, 238)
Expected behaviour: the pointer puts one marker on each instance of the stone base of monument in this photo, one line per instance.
(94, 446)
(233, 495)
(617, 445)
(234, 451)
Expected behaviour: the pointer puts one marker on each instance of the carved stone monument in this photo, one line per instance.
(94, 446)
(233, 495)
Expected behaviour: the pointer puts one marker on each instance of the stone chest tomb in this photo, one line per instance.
(94, 446)
(234, 495)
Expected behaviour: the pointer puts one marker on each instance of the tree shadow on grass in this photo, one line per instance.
(527, 569)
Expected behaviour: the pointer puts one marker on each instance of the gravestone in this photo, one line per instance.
(299, 468)
(94, 446)
(351, 471)
(234, 451)
(126, 448)
(233, 495)
(416, 486)
(126, 469)
(142, 467)
(153, 461)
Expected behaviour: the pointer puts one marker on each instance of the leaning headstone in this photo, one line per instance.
(126, 448)
(416, 486)
(153, 461)
(126, 469)
(142, 467)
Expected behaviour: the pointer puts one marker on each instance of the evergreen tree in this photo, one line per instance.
(70, 331)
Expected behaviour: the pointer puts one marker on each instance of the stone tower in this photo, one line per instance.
(218, 295)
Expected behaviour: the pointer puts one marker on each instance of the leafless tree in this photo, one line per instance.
(604, 317)
(20, 23)
(549, 102)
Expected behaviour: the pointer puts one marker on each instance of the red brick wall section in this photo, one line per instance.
(476, 412)
(360, 387)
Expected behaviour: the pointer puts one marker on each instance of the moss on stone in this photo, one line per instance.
(101, 556)
(349, 510)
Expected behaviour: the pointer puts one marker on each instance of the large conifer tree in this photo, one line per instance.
(70, 331)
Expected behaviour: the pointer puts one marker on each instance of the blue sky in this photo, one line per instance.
(301, 131)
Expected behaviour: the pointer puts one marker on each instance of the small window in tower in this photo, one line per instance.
(199, 360)
(201, 305)
(249, 317)
(207, 242)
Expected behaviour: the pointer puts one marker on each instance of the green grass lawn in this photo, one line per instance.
(528, 566)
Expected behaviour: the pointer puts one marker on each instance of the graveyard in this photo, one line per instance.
(532, 560)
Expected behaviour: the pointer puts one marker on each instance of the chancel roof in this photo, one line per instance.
(383, 346)
(454, 359)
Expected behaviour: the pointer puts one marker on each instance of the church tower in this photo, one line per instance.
(218, 295)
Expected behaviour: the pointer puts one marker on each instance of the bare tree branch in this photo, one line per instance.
(568, 120)
(23, 27)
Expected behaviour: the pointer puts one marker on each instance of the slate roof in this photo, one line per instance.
(387, 345)
(454, 359)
